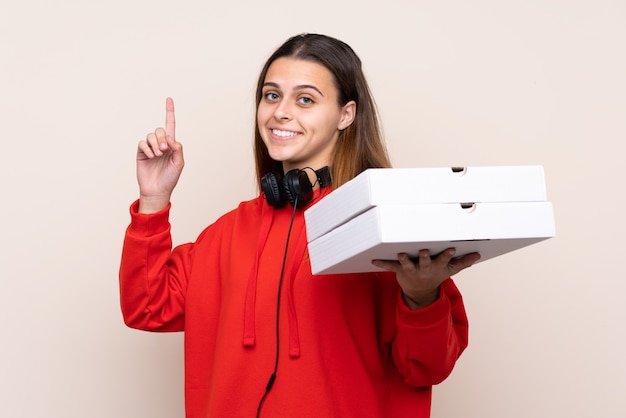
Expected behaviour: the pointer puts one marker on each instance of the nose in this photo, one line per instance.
(282, 112)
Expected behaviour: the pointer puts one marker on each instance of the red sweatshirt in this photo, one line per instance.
(349, 346)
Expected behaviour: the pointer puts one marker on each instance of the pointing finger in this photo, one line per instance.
(170, 120)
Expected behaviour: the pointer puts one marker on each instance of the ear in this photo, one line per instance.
(348, 113)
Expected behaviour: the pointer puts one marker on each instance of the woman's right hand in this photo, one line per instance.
(159, 164)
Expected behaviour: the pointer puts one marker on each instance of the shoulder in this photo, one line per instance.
(248, 208)
(247, 211)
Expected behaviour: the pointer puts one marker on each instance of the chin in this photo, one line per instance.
(280, 156)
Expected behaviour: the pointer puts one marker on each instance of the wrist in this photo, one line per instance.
(421, 299)
(152, 204)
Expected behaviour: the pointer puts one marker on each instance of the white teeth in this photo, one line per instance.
(283, 134)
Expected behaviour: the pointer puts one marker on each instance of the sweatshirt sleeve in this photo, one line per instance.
(152, 278)
(430, 340)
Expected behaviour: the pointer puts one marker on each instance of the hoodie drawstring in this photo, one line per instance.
(249, 329)
(249, 333)
(294, 335)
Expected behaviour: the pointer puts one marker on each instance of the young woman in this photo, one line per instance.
(262, 335)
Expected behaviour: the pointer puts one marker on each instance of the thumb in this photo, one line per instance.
(464, 262)
(177, 151)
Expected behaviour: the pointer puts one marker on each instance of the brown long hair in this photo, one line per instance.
(360, 146)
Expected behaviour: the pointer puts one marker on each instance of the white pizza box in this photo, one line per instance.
(409, 186)
(491, 229)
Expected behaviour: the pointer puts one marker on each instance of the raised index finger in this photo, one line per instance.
(170, 120)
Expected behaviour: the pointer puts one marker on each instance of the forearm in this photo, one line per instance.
(151, 278)
(430, 340)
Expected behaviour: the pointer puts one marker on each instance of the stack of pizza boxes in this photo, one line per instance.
(386, 211)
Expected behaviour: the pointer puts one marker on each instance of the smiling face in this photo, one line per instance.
(299, 117)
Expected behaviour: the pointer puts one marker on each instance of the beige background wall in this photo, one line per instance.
(481, 82)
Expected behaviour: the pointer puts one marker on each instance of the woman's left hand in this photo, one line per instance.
(420, 278)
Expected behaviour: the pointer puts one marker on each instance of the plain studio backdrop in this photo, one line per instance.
(458, 83)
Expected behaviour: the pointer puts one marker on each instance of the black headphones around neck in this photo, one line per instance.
(294, 186)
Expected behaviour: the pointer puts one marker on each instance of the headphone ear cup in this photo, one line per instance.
(297, 187)
(273, 190)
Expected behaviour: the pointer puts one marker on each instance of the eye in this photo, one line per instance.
(270, 96)
(305, 100)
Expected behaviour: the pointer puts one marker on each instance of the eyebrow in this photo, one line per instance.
(298, 87)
